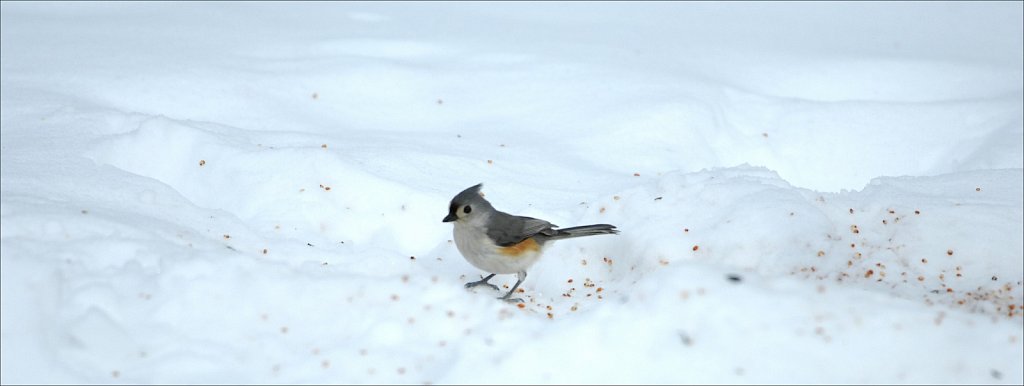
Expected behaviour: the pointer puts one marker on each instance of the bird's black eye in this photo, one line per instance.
(467, 209)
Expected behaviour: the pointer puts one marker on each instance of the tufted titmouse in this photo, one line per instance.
(498, 242)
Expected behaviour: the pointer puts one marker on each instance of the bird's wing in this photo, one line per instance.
(507, 230)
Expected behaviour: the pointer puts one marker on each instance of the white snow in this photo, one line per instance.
(253, 192)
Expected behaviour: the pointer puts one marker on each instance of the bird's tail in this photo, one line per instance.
(585, 230)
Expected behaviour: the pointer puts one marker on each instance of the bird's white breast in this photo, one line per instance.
(478, 249)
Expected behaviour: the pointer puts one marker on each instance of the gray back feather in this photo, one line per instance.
(508, 230)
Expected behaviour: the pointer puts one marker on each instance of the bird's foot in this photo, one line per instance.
(482, 282)
(508, 298)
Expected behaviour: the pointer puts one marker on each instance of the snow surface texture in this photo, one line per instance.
(251, 193)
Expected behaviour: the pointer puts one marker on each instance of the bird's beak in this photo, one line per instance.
(450, 217)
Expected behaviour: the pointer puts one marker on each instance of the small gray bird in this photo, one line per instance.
(498, 242)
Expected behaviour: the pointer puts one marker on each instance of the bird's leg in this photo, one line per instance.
(482, 282)
(521, 275)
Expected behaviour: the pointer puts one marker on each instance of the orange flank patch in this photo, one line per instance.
(528, 245)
